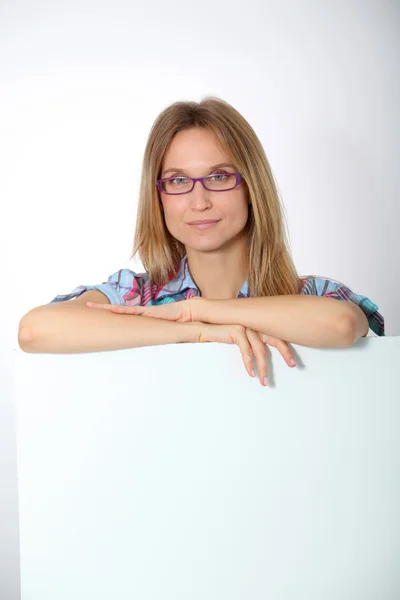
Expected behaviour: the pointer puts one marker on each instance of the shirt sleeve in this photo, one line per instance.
(320, 286)
(124, 287)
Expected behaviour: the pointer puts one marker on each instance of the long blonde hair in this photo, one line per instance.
(271, 268)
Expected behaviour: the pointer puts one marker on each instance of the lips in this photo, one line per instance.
(203, 225)
(203, 222)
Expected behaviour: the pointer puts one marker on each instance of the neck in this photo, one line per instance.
(219, 274)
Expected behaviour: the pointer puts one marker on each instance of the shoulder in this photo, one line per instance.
(124, 287)
(319, 285)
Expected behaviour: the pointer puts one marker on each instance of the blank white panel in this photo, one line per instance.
(168, 473)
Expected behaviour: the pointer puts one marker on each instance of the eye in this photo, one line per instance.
(218, 175)
(179, 179)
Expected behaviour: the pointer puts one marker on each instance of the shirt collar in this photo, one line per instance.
(183, 281)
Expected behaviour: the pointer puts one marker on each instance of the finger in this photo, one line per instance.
(246, 351)
(115, 307)
(286, 352)
(282, 346)
(124, 309)
(98, 305)
(129, 310)
(260, 353)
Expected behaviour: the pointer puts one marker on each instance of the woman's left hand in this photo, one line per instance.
(183, 311)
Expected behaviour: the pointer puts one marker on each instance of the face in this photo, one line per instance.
(192, 152)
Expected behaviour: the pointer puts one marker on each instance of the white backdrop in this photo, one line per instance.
(81, 84)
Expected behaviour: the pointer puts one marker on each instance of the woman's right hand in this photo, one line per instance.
(249, 341)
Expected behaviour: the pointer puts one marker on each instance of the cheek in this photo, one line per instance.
(173, 216)
(237, 213)
(176, 208)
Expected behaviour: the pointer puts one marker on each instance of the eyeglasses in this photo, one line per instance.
(219, 182)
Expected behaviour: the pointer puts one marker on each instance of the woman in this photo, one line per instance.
(231, 280)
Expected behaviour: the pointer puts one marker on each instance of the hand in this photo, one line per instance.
(183, 311)
(257, 343)
(249, 341)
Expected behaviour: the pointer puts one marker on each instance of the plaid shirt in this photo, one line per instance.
(127, 288)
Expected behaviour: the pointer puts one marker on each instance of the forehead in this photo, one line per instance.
(197, 146)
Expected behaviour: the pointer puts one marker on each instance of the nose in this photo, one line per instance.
(199, 196)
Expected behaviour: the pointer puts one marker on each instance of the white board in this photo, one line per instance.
(166, 472)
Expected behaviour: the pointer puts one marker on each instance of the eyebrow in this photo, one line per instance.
(176, 170)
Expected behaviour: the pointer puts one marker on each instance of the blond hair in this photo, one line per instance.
(271, 268)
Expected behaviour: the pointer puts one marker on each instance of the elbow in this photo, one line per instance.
(27, 329)
(348, 330)
(354, 325)
(25, 336)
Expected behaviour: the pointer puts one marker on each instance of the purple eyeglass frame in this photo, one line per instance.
(238, 176)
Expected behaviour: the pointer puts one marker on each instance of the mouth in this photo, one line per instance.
(203, 224)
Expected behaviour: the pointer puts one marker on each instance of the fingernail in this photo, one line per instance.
(253, 373)
(292, 362)
(265, 380)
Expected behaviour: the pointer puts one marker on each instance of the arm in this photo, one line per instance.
(307, 320)
(64, 328)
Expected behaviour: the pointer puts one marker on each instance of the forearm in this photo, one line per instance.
(306, 320)
(71, 328)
